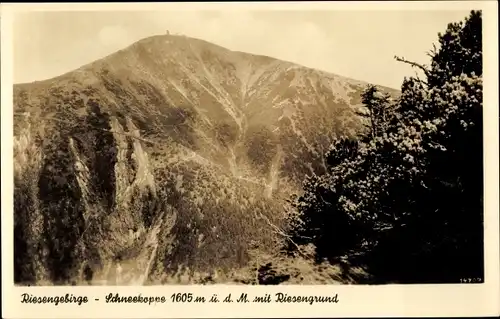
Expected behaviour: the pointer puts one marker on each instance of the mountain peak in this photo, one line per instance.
(176, 135)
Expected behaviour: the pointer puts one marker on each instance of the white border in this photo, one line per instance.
(355, 301)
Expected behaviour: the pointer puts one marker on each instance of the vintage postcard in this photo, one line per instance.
(291, 159)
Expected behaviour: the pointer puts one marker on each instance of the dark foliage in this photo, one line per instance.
(407, 196)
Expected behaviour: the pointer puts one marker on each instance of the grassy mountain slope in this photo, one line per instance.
(172, 156)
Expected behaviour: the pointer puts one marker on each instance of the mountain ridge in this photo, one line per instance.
(328, 73)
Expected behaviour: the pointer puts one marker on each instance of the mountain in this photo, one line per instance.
(172, 156)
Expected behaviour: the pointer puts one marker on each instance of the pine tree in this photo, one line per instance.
(378, 107)
(334, 206)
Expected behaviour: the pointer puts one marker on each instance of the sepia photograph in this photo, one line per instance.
(248, 147)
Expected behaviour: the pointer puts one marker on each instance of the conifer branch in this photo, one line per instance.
(414, 64)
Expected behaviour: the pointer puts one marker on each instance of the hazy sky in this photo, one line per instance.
(357, 44)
